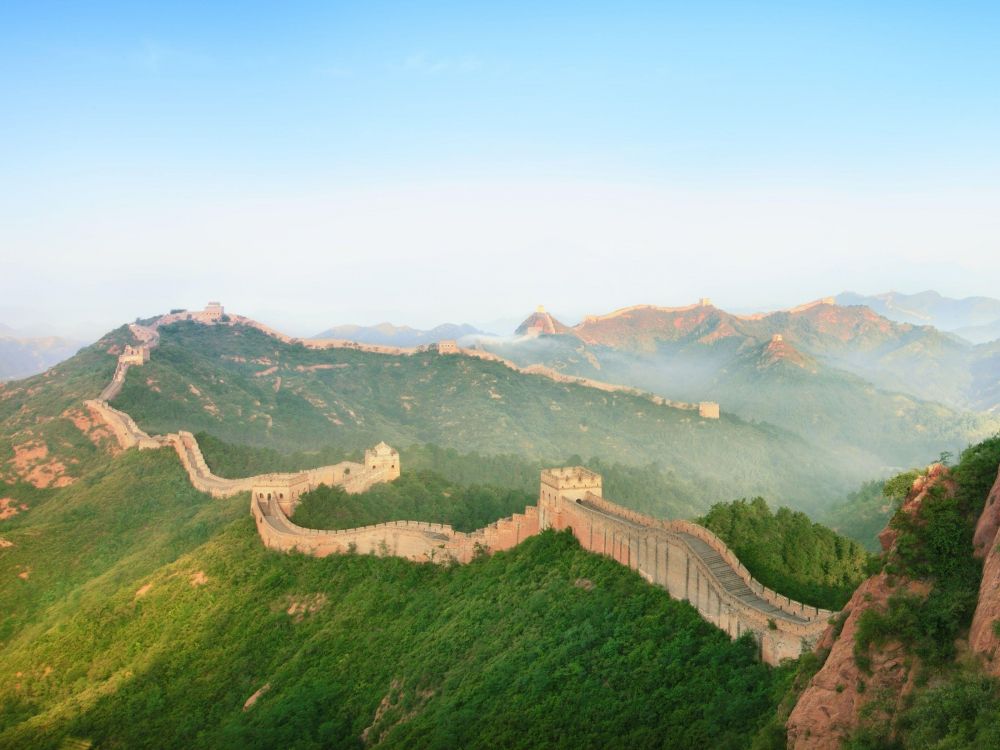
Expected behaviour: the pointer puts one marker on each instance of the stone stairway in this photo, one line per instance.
(731, 581)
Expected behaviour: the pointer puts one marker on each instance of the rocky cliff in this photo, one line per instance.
(983, 635)
(861, 682)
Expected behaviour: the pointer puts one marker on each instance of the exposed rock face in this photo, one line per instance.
(989, 522)
(982, 635)
(830, 709)
(936, 474)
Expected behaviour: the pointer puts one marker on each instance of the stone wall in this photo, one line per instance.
(692, 564)
(686, 559)
(689, 561)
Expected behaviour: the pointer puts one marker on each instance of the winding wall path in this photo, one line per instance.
(686, 559)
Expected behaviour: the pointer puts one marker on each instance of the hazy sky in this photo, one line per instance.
(322, 163)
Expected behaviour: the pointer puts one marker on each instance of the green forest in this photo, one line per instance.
(152, 613)
(138, 612)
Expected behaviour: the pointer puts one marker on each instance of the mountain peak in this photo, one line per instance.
(778, 351)
(541, 322)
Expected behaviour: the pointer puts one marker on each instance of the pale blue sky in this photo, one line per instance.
(317, 163)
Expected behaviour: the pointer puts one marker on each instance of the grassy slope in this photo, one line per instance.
(504, 651)
(453, 402)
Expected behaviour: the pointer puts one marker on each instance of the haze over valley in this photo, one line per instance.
(527, 375)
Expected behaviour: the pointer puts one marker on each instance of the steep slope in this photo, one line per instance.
(896, 668)
(540, 322)
(789, 553)
(246, 387)
(881, 431)
(918, 360)
(842, 378)
(47, 438)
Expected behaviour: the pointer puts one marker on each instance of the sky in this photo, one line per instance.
(312, 164)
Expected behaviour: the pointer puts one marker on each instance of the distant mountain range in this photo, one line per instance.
(862, 386)
(24, 356)
(388, 334)
(976, 319)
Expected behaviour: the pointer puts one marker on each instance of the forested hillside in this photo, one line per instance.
(877, 428)
(244, 387)
(137, 612)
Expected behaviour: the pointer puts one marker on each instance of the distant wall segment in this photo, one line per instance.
(212, 315)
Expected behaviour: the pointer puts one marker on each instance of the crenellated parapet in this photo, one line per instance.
(690, 562)
(686, 559)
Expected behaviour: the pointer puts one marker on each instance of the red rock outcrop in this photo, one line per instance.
(989, 523)
(983, 633)
(831, 707)
(936, 474)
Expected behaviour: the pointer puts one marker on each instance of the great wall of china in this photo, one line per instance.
(686, 559)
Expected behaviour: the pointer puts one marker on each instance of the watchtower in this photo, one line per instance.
(708, 410)
(283, 489)
(134, 355)
(447, 346)
(570, 482)
(213, 311)
(563, 486)
(383, 458)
